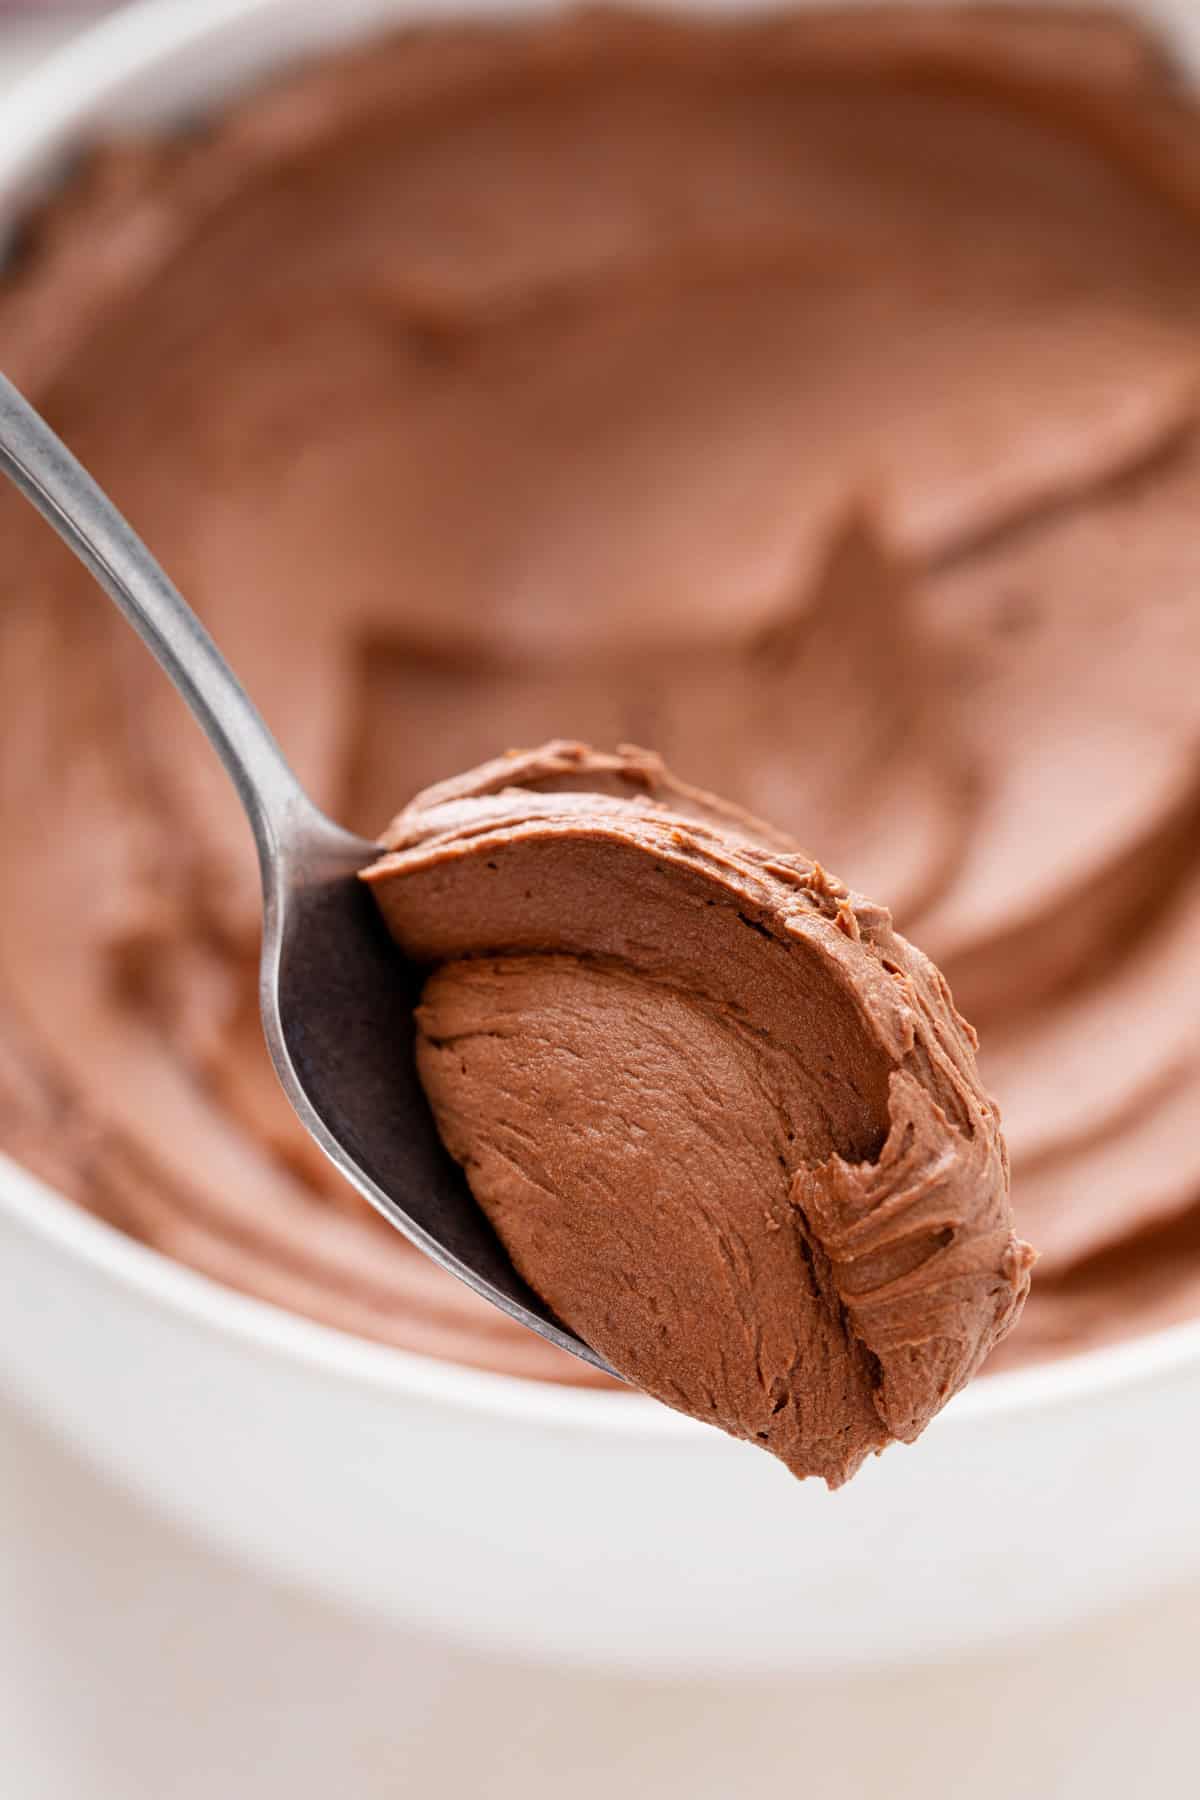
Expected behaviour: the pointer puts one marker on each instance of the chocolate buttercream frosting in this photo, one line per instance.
(815, 399)
(724, 1119)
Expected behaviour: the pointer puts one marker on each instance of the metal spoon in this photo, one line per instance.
(336, 995)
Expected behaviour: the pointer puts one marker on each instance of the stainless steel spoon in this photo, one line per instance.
(336, 995)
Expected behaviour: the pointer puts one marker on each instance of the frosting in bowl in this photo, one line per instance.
(811, 398)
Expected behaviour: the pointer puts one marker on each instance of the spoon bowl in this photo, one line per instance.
(336, 995)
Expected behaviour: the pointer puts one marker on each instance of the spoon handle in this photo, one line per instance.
(61, 489)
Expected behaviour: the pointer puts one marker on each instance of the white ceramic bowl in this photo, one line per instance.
(536, 1520)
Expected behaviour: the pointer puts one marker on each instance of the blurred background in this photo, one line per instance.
(134, 1664)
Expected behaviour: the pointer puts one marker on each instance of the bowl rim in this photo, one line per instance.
(45, 108)
(261, 1328)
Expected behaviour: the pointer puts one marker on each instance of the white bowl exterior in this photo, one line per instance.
(541, 1521)
(547, 1522)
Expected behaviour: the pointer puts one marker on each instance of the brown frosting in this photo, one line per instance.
(724, 1119)
(812, 398)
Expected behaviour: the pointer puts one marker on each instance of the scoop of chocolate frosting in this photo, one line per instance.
(725, 1121)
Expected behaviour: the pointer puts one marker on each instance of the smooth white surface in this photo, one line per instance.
(134, 1666)
(420, 1506)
